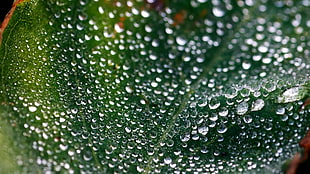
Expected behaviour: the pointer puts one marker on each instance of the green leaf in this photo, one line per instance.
(153, 86)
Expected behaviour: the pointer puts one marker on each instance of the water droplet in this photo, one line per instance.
(292, 94)
(231, 93)
(71, 152)
(203, 130)
(154, 84)
(87, 156)
(32, 108)
(246, 65)
(214, 103)
(223, 112)
(222, 128)
(129, 89)
(185, 137)
(247, 119)
(280, 111)
(145, 14)
(180, 41)
(128, 129)
(242, 108)
(267, 60)
(262, 49)
(257, 105)
(142, 101)
(218, 12)
(140, 169)
(167, 160)
(63, 147)
(118, 27)
(100, 9)
(213, 117)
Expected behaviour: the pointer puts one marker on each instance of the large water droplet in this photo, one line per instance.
(292, 94)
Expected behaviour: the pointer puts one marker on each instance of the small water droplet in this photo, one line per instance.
(129, 89)
(63, 147)
(222, 128)
(185, 137)
(213, 117)
(214, 103)
(280, 111)
(242, 108)
(231, 93)
(246, 65)
(154, 84)
(247, 119)
(140, 169)
(218, 12)
(100, 9)
(127, 129)
(87, 156)
(118, 27)
(180, 41)
(142, 101)
(203, 130)
(145, 14)
(257, 105)
(262, 49)
(167, 160)
(32, 108)
(223, 112)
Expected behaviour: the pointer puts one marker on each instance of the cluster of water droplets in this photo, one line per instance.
(134, 86)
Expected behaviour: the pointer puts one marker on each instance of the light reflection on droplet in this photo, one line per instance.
(218, 12)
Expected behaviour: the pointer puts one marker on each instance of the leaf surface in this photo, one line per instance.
(154, 86)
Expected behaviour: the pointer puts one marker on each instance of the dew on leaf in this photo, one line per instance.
(180, 41)
(247, 119)
(32, 108)
(129, 89)
(257, 105)
(262, 49)
(242, 108)
(185, 137)
(203, 130)
(119, 27)
(246, 65)
(267, 60)
(213, 117)
(222, 128)
(214, 103)
(292, 94)
(218, 12)
(161, 86)
(280, 111)
(231, 93)
(223, 112)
